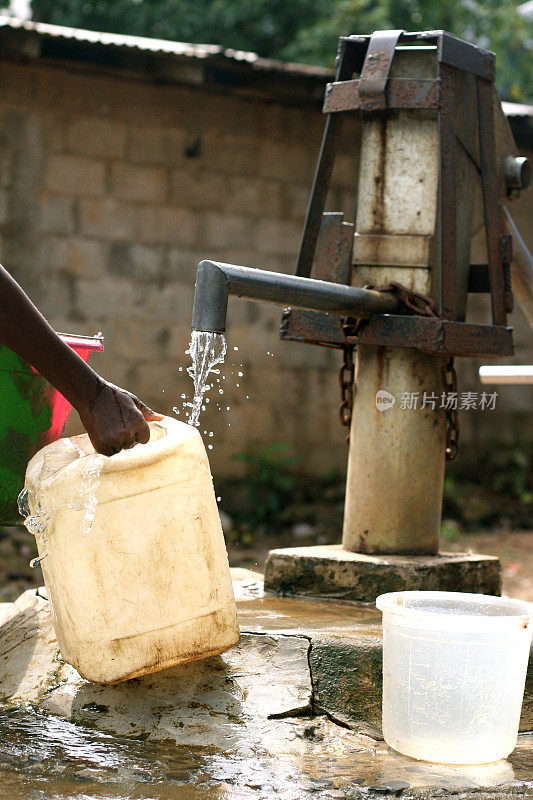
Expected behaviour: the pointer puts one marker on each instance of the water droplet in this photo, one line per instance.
(240, 374)
(235, 348)
(219, 499)
(210, 433)
(221, 391)
(209, 446)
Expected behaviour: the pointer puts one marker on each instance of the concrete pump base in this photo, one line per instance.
(332, 572)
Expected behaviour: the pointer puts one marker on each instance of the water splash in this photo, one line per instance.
(85, 499)
(206, 350)
(38, 522)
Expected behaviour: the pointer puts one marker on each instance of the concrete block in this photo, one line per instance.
(168, 225)
(286, 162)
(201, 189)
(76, 175)
(135, 260)
(347, 677)
(156, 145)
(227, 230)
(171, 302)
(56, 214)
(331, 571)
(253, 196)
(223, 152)
(297, 200)
(97, 137)
(6, 166)
(132, 182)
(77, 256)
(4, 206)
(54, 131)
(55, 294)
(182, 263)
(161, 382)
(108, 219)
(134, 340)
(280, 237)
(108, 297)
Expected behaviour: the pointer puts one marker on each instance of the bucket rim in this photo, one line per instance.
(83, 342)
(390, 603)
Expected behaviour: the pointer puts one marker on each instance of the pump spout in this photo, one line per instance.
(215, 282)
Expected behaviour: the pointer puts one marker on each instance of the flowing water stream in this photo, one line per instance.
(206, 351)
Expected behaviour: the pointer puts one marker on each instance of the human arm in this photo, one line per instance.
(113, 418)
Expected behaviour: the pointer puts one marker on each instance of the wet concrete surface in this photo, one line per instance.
(243, 733)
(42, 756)
(262, 612)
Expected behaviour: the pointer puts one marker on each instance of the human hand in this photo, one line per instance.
(116, 420)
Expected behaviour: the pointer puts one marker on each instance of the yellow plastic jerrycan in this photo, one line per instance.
(133, 554)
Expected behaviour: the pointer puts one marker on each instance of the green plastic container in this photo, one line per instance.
(32, 414)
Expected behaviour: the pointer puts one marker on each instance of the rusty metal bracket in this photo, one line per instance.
(401, 93)
(435, 335)
(376, 69)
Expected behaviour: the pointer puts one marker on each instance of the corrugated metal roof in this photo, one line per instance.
(194, 51)
(159, 46)
(516, 109)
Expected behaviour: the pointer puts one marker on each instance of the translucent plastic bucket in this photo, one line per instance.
(454, 669)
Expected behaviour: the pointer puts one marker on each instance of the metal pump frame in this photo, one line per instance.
(362, 84)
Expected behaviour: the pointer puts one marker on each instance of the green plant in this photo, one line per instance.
(270, 482)
(490, 485)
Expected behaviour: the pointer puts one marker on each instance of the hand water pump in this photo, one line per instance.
(437, 161)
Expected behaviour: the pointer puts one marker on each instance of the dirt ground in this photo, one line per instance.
(514, 548)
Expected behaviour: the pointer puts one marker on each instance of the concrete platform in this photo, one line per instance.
(345, 653)
(297, 702)
(332, 572)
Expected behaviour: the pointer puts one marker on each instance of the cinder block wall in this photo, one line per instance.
(112, 190)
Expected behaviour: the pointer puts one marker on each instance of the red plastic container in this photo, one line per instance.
(60, 407)
(32, 414)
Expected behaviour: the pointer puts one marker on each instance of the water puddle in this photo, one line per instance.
(47, 758)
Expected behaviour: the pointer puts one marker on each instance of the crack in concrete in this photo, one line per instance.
(302, 711)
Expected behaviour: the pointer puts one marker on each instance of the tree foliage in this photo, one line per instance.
(307, 30)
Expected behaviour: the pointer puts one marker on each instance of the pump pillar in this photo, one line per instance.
(397, 454)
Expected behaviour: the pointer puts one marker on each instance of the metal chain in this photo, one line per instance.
(449, 380)
(421, 305)
(346, 382)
